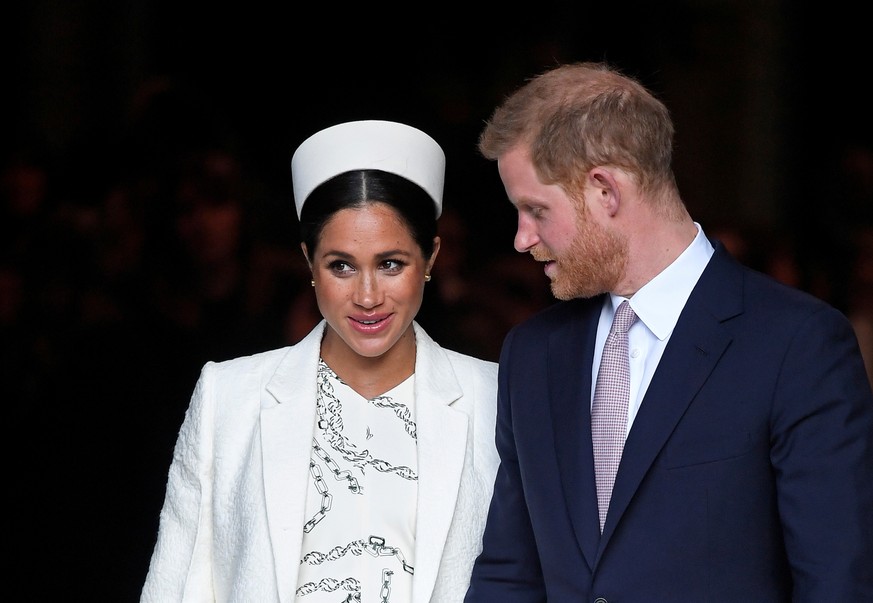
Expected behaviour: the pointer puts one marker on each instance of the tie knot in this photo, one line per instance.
(623, 319)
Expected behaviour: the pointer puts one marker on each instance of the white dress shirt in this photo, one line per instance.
(658, 305)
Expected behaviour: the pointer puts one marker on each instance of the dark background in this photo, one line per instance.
(111, 100)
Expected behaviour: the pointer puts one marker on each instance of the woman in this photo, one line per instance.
(358, 464)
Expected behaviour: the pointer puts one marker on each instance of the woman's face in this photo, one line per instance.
(369, 279)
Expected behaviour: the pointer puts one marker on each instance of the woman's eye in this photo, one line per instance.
(340, 267)
(393, 265)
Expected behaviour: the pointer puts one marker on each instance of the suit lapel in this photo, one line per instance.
(571, 352)
(442, 435)
(694, 349)
(287, 421)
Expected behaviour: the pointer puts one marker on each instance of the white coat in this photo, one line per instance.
(231, 527)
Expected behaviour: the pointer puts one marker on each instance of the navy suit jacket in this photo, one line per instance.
(747, 474)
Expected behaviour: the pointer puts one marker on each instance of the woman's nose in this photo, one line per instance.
(368, 292)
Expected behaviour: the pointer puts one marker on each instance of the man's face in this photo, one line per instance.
(583, 257)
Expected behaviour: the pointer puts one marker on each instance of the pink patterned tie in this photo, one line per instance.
(609, 409)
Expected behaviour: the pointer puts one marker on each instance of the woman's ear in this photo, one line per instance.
(433, 256)
(306, 255)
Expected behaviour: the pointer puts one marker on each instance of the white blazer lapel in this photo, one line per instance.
(442, 435)
(287, 420)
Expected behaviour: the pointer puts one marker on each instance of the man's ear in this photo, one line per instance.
(606, 187)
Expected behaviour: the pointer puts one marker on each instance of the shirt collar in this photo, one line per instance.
(660, 301)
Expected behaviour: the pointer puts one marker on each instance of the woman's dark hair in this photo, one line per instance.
(358, 188)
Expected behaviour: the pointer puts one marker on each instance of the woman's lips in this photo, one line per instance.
(370, 324)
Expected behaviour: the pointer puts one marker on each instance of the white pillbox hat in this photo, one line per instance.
(369, 145)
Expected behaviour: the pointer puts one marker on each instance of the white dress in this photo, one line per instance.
(361, 497)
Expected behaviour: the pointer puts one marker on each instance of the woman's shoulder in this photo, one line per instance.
(470, 368)
(473, 362)
(433, 357)
(463, 358)
(269, 360)
(263, 359)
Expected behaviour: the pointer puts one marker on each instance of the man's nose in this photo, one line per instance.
(525, 234)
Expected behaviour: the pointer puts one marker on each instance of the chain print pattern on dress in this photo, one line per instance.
(331, 436)
(330, 585)
(321, 485)
(314, 470)
(400, 411)
(385, 593)
(331, 423)
(375, 546)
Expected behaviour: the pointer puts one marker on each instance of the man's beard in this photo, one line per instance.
(594, 263)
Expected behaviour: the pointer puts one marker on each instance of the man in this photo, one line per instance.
(747, 429)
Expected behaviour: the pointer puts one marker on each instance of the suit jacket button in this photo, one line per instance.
(600, 600)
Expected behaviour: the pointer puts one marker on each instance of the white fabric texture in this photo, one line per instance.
(231, 528)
